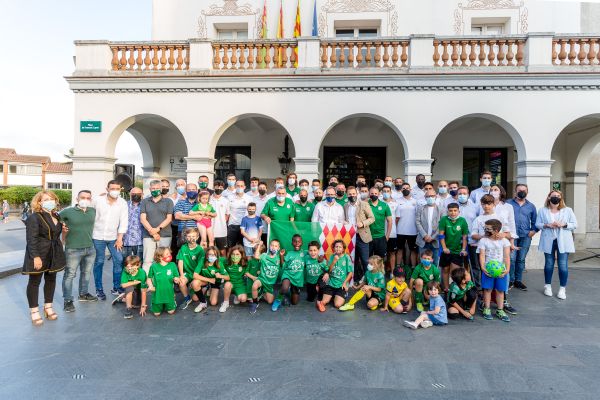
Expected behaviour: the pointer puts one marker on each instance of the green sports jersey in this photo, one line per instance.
(314, 269)
(162, 278)
(456, 293)
(304, 212)
(139, 276)
(427, 275)
(293, 267)
(340, 271)
(236, 273)
(201, 207)
(376, 279)
(191, 258)
(342, 201)
(269, 268)
(209, 271)
(293, 192)
(279, 213)
(252, 268)
(381, 211)
(453, 232)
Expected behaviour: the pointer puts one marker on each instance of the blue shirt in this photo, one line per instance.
(525, 217)
(478, 193)
(251, 225)
(133, 236)
(442, 316)
(184, 206)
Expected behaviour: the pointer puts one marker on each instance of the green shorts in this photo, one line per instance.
(158, 308)
(296, 282)
(239, 287)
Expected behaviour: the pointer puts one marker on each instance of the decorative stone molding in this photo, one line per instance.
(359, 6)
(523, 13)
(229, 8)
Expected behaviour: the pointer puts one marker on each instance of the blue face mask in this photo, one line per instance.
(486, 182)
(49, 205)
(231, 183)
(442, 190)
(239, 190)
(180, 190)
(330, 199)
(430, 201)
(388, 184)
(191, 195)
(212, 259)
(386, 196)
(273, 251)
(426, 263)
(315, 188)
(462, 198)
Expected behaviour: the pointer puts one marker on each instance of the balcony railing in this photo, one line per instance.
(534, 52)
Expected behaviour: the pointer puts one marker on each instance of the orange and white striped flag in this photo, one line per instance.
(297, 32)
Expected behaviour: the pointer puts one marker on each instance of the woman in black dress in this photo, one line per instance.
(44, 255)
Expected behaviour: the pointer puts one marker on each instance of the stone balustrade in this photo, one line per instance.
(479, 52)
(576, 50)
(150, 56)
(261, 54)
(356, 53)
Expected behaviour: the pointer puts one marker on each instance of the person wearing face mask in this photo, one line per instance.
(443, 194)
(329, 211)
(229, 191)
(358, 213)
(180, 194)
(165, 188)
(252, 193)
(340, 194)
(392, 242)
(261, 200)
(238, 206)
(251, 229)
(486, 184)
(304, 208)
(382, 227)
(452, 196)
(279, 183)
(304, 186)
(557, 223)
(44, 255)
(279, 208)
(418, 192)
(525, 216)
(179, 191)
(428, 218)
(132, 240)
(292, 184)
(316, 184)
(156, 213)
(181, 212)
(318, 196)
(406, 227)
(397, 190)
(162, 274)
(190, 255)
(378, 183)
(221, 205)
(388, 182)
(110, 225)
(333, 181)
(505, 211)
(360, 182)
(203, 184)
(79, 248)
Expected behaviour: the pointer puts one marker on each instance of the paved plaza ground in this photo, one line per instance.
(551, 350)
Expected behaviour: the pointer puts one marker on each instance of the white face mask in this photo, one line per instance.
(496, 195)
(84, 203)
(291, 181)
(114, 193)
(369, 267)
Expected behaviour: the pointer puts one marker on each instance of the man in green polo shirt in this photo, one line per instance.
(304, 208)
(79, 248)
(340, 194)
(380, 234)
(279, 208)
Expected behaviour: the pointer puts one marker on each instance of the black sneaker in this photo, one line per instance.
(69, 307)
(128, 314)
(87, 297)
(101, 295)
(509, 308)
(520, 285)
(114, 292)
(511, 285)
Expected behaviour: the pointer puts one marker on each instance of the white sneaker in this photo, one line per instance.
(548, 290)
(562, 293)
(201, 306)
(235, 300)
(410, 324)
(224, 307)
(426, 324)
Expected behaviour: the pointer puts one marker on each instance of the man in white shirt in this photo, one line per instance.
(230, 190)
(109, 227)
(418, 192)
(442, 194)
(329, 211)
(397, 190)
(486, 184)
(221, 206)
(238, 209)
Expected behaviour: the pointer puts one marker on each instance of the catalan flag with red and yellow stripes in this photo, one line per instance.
(280, 35)
(297, 32)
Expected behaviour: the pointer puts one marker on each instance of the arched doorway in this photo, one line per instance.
(362, 144)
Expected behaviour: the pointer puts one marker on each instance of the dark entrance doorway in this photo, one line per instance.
(349, 162)
(233, 160)
(475, 161)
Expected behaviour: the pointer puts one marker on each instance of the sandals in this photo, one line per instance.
(36, 321)
(50, 316)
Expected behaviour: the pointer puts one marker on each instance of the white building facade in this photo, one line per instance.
(387, 87)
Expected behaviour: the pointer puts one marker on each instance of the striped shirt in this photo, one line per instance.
(184, 206)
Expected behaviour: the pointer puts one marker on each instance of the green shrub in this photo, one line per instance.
(16, 195)
(64, 197)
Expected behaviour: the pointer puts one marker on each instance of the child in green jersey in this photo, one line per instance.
(161, 277)
(133, 281)
(462, 295)
(209, 275)
(292, 278)
(371, 285)
(338, 277)
(190, 255)
(253, 268)
(423, 273)
(315, 267)
(270, 264)
(236, 269)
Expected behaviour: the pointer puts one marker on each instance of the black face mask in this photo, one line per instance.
(453, 193)
(340, 193)
(165, 191)
(405, 192)
(420, 184)
(136, 198)
(521, 194)
(374, 197)
(262, 192)
(303, 199)
(398, 187)
(218, 191)
(555, 200)
(352, 199)
(318, 198)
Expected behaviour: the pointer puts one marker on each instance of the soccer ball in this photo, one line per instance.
(495, 268)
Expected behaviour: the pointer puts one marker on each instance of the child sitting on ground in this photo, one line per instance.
(133, 281)
(437, 314)
(337, 278)
(209, 275)
(462, 295)
(423, 273)
(270, 265)
(397, 296)
(161, 277)
(371, 285)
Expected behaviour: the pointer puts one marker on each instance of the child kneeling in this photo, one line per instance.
(371, 285)
(398, 296)
(437, 314)
(462, 295)
(133, 280)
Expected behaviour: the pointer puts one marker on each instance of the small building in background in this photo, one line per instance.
(31, 170)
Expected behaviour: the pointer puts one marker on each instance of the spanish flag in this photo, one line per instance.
(264, 35)
(297, 32)
(280, 35)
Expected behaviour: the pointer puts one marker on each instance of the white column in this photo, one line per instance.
(575, 193)
(92, 173)
(308, 54)
(538, 51)
(92, 57)
(197, 166)
(307, 168)
(201, 54)
(414, 167)
(420, 52)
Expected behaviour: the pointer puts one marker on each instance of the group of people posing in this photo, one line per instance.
(439, 249)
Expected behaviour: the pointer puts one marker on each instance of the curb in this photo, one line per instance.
(9, 271)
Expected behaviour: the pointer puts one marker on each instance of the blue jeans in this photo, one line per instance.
(133, 251)
(563, 271)
(117, 261)
(361, 258)
(517, 258)
(434, 250)
(77, 259)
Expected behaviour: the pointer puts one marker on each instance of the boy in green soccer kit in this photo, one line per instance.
(190, 255)
(315, 268)
(211, 275)
(453, 232)
(236, 268)
(270, 265)
(292, 278)
(161, 277)
(423, 273)
(133, 280)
